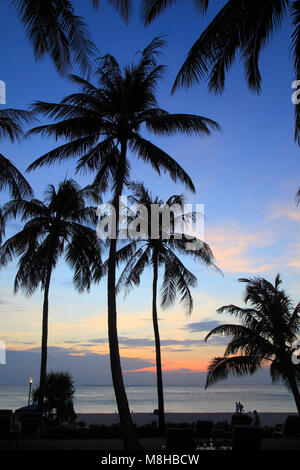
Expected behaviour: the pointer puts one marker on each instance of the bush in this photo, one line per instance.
(81, 424)
(58, 396)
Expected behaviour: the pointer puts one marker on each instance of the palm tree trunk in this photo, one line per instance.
(128, 429)
(160, 393)
(295, 392)
(43, 370)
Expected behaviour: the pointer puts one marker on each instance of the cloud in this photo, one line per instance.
(148, 342)
(177, 350)
(94, 369)
(201, 326)
(285, 212)
(232, 247)
(290, 216)
(72, 342)
(90, 368)
(216, 341)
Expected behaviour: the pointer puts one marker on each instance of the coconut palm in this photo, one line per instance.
(101, 125)
(270, 325)
(59, 226)
(161, 252)
(11, 121)
(54, 29)
(242, 28)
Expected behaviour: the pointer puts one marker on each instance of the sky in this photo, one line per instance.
(246, 176)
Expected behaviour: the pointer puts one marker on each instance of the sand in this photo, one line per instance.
(267, 419)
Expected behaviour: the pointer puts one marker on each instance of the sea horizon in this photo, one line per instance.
(92, 398)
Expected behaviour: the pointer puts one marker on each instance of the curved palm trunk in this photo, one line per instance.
(43, 370)
(160, 393)
(128, 429)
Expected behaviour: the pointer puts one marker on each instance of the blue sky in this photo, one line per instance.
(246, 176)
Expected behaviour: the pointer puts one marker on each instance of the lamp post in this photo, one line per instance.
(29, 394)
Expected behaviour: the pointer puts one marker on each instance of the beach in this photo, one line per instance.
(267, 419)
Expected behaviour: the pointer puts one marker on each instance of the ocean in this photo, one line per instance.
(184, 399)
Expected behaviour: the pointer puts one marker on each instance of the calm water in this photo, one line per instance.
(100, 399)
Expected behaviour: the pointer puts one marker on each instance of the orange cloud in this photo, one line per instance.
(232, 246)
(286, 212)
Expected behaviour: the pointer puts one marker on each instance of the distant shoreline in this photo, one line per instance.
(267, 419)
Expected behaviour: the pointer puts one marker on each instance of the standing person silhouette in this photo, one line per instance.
(241, 407)
(256, 420)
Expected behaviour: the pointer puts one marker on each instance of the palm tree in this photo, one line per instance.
(11, 121)
(101, 124)
(161, 253)
(241, 28)
(270, 325)
(53, 28)
(57, 227)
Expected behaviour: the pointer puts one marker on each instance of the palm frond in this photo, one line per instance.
(83, 254)
(69, 150)
(229, 329)
(169, 124)
(26, 209)
(295, 11)
(151, 9)
(239, 27)
(2, 226)
(54, 29)
(160, 160)
(133, 269)
(223, 367)
(12, 121)
(12, 178)
(123, 7)
(249, 316)
(104, 152)
(177, 281)
(294, 322)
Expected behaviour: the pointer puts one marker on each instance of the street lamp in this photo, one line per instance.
(29, 394)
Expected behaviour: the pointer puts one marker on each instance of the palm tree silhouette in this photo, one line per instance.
(241, 28)
(11, 121)
(270, 325)
(54, 29)
(158, 253)
(101, 125)
(59, 226)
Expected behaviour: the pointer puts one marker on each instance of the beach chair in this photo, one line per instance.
(30, 425)
(291, 429)
(7, 433)
(221, 430)
(180, 439)
(204, 429)
(5, 424)
(239, 419)
(246, 437)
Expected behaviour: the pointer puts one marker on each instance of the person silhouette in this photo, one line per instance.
(241, 407)
(256, 420)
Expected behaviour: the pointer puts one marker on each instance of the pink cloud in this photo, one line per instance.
(232, 246)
